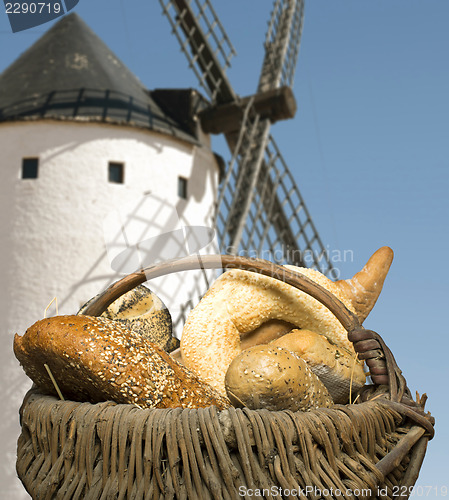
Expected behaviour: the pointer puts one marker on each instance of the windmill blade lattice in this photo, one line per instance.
(204, 42)
(282, 44)
(278, 228)
(260, 210)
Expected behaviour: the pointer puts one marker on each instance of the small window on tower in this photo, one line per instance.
(116, 172)
(30, 168)
(182, 188)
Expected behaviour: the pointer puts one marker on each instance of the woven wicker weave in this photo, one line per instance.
(371, 449)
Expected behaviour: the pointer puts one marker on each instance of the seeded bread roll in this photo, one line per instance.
(96, 359)
(334, 366)
(143, 312)
(273, 378)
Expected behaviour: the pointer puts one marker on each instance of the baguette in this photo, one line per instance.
(97, 359)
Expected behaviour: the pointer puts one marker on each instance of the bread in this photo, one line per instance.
(96, 359)
(364, 288)
(143, 312)
(241, 301)
(273, 378)
(265, 333)
(334, 366)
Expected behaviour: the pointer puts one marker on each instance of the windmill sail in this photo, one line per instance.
(282, 44)
(260, 211)
(204, 42)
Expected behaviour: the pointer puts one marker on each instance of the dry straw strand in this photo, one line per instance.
(54, 382)
(55, 300)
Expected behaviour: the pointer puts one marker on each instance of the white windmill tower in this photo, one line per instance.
(99, 140)
(85, 148)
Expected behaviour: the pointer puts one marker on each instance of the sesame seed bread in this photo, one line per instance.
(97, 359)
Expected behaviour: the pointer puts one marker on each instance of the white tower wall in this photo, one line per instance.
(56, 239)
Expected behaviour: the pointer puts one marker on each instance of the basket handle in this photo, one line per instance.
(367, 344)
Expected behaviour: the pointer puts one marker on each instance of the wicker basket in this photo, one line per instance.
(371, 449)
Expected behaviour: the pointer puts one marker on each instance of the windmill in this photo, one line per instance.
(260, 210)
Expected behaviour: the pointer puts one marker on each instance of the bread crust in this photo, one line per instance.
(143, 312)
(333, 365)
(96, 359)
(273, 378)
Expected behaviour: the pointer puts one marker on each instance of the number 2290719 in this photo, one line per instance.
(33, 8)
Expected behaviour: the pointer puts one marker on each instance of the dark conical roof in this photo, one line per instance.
(69, 73)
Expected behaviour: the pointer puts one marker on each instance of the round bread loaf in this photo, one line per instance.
(96, 359)
(273, 378)
(337, 368)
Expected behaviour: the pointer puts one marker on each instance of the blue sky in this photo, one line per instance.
(369, 148)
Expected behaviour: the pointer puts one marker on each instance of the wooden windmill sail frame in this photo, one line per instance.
(260, 210)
